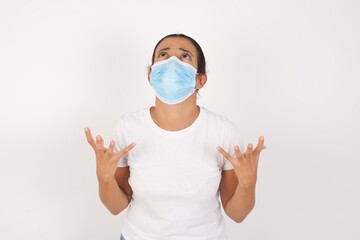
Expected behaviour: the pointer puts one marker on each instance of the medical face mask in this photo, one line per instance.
(173, 80)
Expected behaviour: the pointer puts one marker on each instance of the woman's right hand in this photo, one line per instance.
(106, 159)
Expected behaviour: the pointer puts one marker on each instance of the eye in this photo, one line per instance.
(162, 55)
(186, 56)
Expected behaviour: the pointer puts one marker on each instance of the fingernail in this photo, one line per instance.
(236, 148)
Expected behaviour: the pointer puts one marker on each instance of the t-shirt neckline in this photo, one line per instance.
(177, 133)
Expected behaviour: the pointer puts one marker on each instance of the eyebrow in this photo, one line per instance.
(164, 49)
(182, 49)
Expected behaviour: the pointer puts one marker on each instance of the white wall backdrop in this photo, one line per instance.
(289, 70)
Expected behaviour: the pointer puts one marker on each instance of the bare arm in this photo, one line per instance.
(113, 181)
(237, 202)
(116, 193)
(237, 186)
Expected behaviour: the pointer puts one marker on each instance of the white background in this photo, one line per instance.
(285, 69)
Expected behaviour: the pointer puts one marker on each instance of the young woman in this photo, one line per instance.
(186, 156)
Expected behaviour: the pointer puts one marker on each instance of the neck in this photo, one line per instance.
(177, 116)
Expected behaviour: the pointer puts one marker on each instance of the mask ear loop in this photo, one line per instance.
(149, 72)
(196, 89)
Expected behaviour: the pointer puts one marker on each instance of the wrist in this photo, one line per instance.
(245, 189)
(105, 179)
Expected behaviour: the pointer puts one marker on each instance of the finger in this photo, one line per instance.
(124, 151)
(110, 150)
(249, 151)
(260, 145)
(99, 143)
(89, 138)
(224, 153)
(238, 153)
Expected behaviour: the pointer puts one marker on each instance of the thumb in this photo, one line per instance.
(123, 151)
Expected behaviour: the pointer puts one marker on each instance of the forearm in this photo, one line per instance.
(112, 196)
(240, 204)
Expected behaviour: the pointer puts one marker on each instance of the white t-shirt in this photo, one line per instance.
(175, 176)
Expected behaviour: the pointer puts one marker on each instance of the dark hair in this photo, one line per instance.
(200, 55)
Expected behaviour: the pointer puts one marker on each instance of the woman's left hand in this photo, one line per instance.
(245, 164)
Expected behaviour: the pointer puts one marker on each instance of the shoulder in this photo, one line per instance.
(131, 122)
(133, 118)
(220, 120)
(227, 131)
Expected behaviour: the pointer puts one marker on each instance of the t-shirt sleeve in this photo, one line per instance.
(120, 143)
(231, 138)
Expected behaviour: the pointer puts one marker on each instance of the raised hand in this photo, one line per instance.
(106, 159)
(245, 164)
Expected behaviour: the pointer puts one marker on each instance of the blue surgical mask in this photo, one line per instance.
(173, 80)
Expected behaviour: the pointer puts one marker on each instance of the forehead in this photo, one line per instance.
(176, 43)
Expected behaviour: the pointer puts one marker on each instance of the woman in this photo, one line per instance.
(185, 157)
